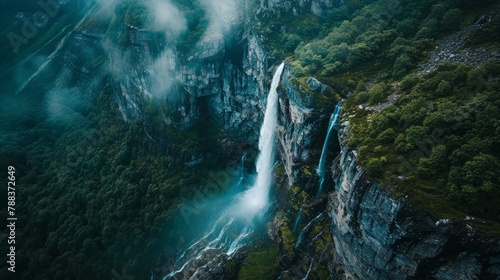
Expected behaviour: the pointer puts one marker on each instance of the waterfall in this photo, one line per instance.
(309, 270)
(334, 119)
(301, 236)
(242, 164)
(256, 197)
(324, 251)
(241, 170)
(297, 220)
(233, 229)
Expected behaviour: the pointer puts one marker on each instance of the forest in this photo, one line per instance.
(439, 138)
(99, 195)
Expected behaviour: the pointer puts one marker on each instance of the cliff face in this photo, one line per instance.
(225, 79)
(380, 236)
(303, 228)
(301, 129)
(82, 56)
(376, 234)
(237, 100)
(131, 68)
(228, 79)
(316, 7)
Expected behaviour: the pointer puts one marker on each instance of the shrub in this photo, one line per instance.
(362, 97)
(387, 136)
(444, 88)
(451, 20)
(375, 166)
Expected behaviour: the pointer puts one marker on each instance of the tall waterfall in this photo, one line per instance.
(234, 228)
(257, 196)
(334, 119)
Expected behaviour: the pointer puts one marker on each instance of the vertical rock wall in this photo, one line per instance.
(380, 236)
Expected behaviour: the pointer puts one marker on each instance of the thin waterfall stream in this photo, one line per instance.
(334, 122)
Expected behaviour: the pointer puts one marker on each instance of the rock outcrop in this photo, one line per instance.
(380, 236)
(226, 81)
(238, 102)
(299, 124)
(452, 48)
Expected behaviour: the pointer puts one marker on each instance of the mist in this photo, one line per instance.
(166, 17)
(65, 106)
(223, 14)
(107, 5)
(164, 73)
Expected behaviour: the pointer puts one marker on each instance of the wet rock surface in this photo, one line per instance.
(305, 241)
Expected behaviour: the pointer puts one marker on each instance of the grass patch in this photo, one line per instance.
(261, 264)
(279, 170)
